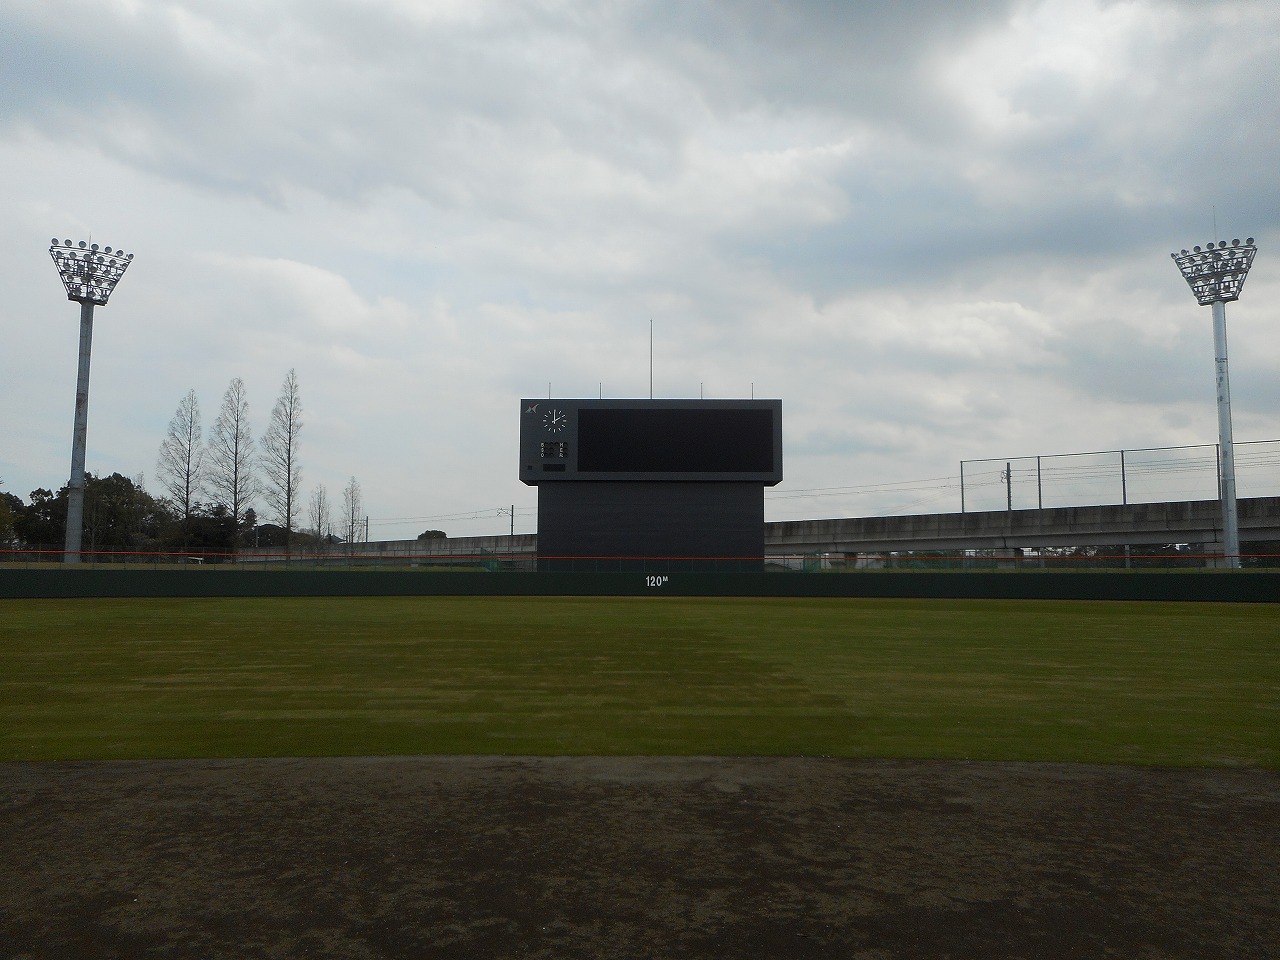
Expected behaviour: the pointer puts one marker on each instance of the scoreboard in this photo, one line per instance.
(651, 440)
(637, 482)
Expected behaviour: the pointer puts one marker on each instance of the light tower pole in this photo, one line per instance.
(1215, 275)
(89, 274)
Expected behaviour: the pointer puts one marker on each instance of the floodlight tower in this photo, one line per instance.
(1215, 275)
(89, 274)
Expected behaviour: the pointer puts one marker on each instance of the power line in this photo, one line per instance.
(480, 514)
(904, 486)
(1049, 475)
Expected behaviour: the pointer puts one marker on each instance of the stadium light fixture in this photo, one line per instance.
(1216, 275)
(90, 275)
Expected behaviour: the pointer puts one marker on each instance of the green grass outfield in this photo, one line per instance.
(1105, 682)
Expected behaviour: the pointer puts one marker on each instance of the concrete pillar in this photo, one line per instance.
(1008, 558)
(1216, 556)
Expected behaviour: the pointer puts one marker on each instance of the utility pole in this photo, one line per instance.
(1216, 274)
(651, 358)
(89, 275)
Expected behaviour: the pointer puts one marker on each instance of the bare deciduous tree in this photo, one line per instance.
(231, 459)
(280, 456)
(318, 514)
(180, 466)
(352, 513)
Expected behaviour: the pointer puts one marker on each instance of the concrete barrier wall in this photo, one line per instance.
(1232, 587)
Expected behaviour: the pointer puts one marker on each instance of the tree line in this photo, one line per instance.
(212, 487)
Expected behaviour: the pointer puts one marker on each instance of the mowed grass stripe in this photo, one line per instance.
(1143, 683)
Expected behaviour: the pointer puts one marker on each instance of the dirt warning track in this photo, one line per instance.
(635, 857)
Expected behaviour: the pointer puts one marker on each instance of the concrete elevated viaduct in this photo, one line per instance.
(1190, 521)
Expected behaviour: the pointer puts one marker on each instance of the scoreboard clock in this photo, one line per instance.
(651, 440)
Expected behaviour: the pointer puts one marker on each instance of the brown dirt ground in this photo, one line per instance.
(482, 857)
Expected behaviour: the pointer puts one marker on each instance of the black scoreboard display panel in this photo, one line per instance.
(651, 440)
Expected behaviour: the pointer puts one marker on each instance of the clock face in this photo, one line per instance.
(555, 420)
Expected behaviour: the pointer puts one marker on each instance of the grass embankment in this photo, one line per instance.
(1144, 683)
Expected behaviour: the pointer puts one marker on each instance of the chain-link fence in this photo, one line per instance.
(1147, 475)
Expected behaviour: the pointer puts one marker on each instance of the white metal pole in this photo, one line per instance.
(79, 439)
(1230, 522)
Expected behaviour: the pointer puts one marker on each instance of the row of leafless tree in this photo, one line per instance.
(352, 526)
(233, 472)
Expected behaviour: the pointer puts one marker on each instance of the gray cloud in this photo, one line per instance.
(937, 230)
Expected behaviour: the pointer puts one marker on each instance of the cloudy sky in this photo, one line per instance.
(938, 231)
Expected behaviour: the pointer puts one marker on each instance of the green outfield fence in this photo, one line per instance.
(30, 574)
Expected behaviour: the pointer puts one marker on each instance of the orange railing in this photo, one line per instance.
(248, 560)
